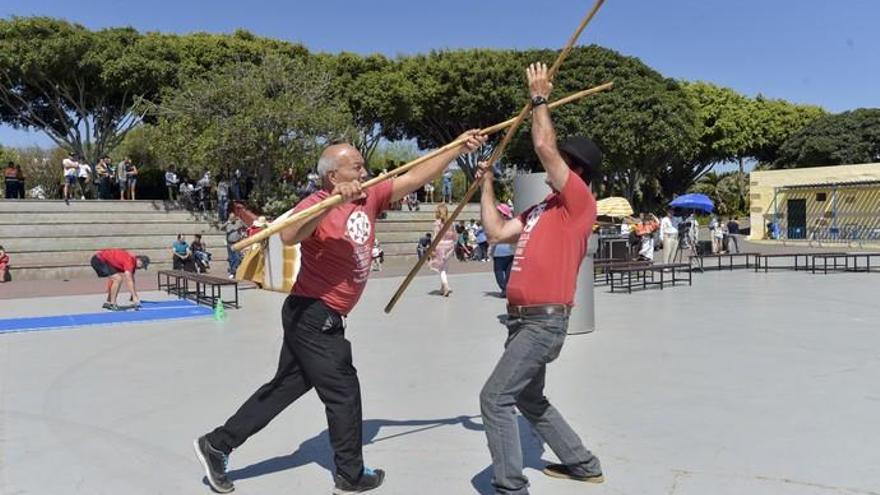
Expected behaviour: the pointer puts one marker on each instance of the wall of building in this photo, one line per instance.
(763, 184)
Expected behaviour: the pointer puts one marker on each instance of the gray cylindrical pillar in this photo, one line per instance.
(530, 189)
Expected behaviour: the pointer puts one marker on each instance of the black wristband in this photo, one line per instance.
(538, 101)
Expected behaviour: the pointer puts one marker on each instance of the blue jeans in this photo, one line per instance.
(223, 208)
(502, 265)
(518, 380)
(234, 259)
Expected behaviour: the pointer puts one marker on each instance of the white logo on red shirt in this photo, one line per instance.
(358, 227)
(534, 216)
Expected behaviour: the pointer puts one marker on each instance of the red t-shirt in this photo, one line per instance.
(552, 245)
(119, 259)
(336, 258)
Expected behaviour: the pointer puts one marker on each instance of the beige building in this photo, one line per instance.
(825, 204)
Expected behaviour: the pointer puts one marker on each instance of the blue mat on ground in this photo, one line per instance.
(150, 311)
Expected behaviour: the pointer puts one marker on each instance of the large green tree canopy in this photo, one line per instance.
(848, 137)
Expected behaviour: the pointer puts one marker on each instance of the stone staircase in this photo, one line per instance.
(399, 231)
(50, 240)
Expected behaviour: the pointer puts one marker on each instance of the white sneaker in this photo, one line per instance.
(82, 198)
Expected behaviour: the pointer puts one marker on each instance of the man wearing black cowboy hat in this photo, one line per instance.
(551, 242)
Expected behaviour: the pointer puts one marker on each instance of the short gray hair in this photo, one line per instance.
(326, 164)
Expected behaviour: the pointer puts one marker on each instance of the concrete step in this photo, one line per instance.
(81, 271)
(13, 218)
(388, 226)
(79, 243)
(428, 214)
(409, 236)
(87, 229)
(49, 206)
(83, 258)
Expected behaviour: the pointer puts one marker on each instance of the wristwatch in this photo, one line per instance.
(538, 101)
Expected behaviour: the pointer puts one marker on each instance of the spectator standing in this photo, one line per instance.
(234, 229)
(669, 234)
(172, 183)
(447, 186)
(378, 255)
(222, 198)
(4, 266)
(203, 191)
(731, 235)
(236, 185)
(20, 175)
(10, 174)
(131, 176)
(482, 242)
(121, 178)
(85, 179)
(644, 231)
(502, 254)
(71, 170)
(102, 177)
(439, 261)
(429, 192)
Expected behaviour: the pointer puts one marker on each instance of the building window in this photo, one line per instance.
(821, 197)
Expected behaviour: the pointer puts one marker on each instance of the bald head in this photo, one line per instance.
(341, 163)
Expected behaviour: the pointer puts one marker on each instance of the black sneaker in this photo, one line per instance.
(369, 479)
(214, 462)
(108, 305)
(564, 472)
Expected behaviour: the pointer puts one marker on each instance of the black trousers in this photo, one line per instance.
(315, 354)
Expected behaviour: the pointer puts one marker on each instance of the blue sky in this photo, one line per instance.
(806, 51)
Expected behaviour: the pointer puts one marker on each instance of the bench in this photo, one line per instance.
(730, 256)
(846, 257)
(867, 256)
(647, 275)
(602, 267)
(194, 286)
(796, 257)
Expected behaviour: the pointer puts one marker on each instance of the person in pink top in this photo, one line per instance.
(551, 239)
(336, 253)
(439, 261)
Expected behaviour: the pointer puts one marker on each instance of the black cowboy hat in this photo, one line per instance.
(582, 152)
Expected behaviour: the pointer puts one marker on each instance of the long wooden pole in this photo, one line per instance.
(499, 150)
(332, 201)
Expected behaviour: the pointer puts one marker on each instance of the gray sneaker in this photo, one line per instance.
(562, 471)
(214, 462)
(369, 480)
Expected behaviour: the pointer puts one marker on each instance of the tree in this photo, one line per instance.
(258, 118)
(645, 123)
(777, 121)
(78, 87)
(844, 138)
(86, 89)
(724, 190)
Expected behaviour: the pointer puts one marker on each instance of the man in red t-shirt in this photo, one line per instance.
(551, 242)
(118, 265)
(336, 249)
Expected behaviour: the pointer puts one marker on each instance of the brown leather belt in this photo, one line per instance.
(539, 310)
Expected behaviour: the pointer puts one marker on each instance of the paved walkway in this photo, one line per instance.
(744, 383)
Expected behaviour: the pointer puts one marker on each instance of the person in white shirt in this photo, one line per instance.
(71, 170)
(669, 234)
(171, 183)
(84, 179)
(718, 238)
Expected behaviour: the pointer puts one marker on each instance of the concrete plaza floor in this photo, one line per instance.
(744, 383)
